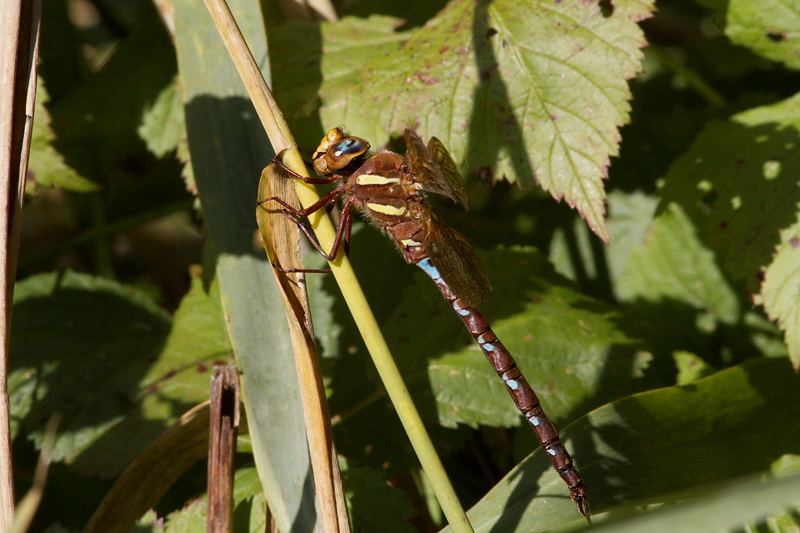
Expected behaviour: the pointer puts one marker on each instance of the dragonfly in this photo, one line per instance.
(390, 191)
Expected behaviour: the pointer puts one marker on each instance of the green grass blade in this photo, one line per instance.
(229, 149)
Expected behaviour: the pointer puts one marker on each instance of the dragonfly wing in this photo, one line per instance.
(433, 167)
(448, 167)
(457, 262)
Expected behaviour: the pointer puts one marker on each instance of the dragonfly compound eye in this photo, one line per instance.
(343, 152)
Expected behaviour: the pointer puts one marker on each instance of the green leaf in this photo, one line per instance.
(648, 447)
(575, 254)
(248, 503)
(781, 285)
(723, 509)
(189, 519)
(177, 381)
(675, 266)
(80, 346)
(374, 504)
(768, 27)
(106, 110)
(163, 126)
(786, 465)
(163, 129)
(146, 381)
(690, 367)
(46, 164)
(737, 184)
(518, 94)
(348, 44)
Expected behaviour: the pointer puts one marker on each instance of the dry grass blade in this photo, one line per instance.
(152, 473)
(30, 503)
(222, 448)
(19, 51)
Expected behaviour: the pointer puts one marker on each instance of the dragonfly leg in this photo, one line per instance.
(316, 181)
(344, 228)
(301, 270)
(331, 196)
(349, 229)
(347, 237)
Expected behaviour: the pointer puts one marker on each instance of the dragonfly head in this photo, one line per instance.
(337, 150)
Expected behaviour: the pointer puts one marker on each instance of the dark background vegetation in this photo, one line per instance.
(116, 330)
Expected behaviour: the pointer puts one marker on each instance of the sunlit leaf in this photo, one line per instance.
(81, 346)
(46, 164)
(248, 505)
(780, 289)
(768, 27)
(162, 126)
(511, 95)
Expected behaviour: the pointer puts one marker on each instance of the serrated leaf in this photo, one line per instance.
(768, 27)
(779, 292)
(110, 368)
(731, 424)
(337, 53)
(80, 346)
(738, 185)
(568, 345)
(163, 126)
(512, 88)
(106, 109)
(147, 523)
(509, 88)
(175, 382)
(189, 519)
(46, 164)
(248, 514)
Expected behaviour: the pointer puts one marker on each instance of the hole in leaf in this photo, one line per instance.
(775, 36)
(606, 8)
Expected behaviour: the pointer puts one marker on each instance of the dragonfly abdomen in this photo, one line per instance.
(517, 386)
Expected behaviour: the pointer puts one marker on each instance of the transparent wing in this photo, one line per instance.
(457, 262)
(434, 168)
(448, 167)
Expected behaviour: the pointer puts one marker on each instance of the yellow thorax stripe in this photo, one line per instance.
(387, 209)
(374, 179)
